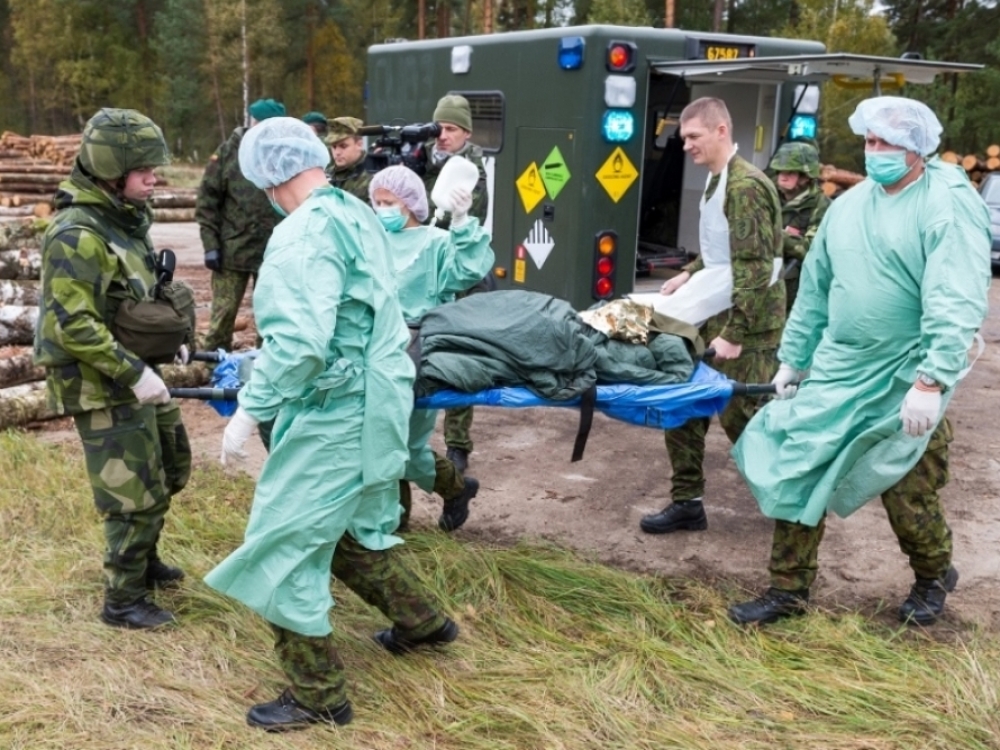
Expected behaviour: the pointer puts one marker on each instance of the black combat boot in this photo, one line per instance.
(926, 600)
(138, 615)
(159, 575)
(459, 457)
(284, 713)
(395, 642)
(683, 515)
(456, 511)
(773, 605)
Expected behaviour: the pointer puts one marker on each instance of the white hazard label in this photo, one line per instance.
(539, 243)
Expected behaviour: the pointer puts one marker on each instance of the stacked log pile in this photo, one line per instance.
(834, 181)
(31, 168)
(22, 387)
(976, 166)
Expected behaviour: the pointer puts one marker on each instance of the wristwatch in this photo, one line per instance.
(928, 381)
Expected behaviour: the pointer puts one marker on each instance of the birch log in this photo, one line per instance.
(17, 325)
(19, 369)
(19, 293)
(20, 264)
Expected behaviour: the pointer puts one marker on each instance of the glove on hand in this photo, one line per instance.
(183, 356)
(786, 382)
(920, 411)
(461, 202)
(237, 433)
(213, 260)
(151, 389)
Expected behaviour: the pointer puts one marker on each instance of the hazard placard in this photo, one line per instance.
(555, 173)
(530, 187)
(617, 174)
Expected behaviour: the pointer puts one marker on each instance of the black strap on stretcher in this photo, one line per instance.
(587, 401)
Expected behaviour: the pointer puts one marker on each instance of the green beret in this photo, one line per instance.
(341, 128)
(454, 109)
(265, 108)
(314, 118)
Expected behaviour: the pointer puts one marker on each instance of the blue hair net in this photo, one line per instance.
(279, 148)
(902, 122)
(405, 185)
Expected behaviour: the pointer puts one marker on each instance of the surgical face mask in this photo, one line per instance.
(887, 167)
(274, 204)
(391, 217)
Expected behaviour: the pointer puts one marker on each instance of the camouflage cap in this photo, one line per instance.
(796, 156)
(117, 141)
(341, 128)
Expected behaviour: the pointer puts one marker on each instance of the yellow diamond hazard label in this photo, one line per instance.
(530, 187)
(617, 174)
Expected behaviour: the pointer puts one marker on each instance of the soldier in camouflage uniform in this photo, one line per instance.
(97, 254)
(803, 206)
(454, 115)
(745, 336)
(236, 221)
(347, 170)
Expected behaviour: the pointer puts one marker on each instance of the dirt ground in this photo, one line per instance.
(530, 488)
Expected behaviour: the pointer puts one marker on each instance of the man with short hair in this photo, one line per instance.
(347, 170)
(236, 221)
(894, 289)
(454, 115)
(803, 205)
(740, 227)
(98, 260)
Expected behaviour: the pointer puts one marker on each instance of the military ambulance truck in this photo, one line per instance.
(590, 191)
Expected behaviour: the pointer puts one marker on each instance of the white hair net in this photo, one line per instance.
(279, 148)
(406, 185)
(902, 122)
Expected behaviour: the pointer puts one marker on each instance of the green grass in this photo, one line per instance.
(556, 652)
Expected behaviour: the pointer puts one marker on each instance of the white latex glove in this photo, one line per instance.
(920, 411)
(786, 382)
(461, 202)
(183, 355)
(238, 431)
(151, 389)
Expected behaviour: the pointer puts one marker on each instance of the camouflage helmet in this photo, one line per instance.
(796, 156)
(116, 141)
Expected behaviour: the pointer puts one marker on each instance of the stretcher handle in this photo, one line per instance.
(213, 356)
(753, 389)
(205, 394)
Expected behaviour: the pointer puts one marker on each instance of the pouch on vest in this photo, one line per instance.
(156, 329)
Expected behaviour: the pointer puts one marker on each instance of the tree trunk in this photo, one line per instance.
(17, 325)
(421, 18)
(175, 199)
(19, 293)
(19, 369)
(20, 265)
(18, 212)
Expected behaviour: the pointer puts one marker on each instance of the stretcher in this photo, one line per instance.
(661, 407)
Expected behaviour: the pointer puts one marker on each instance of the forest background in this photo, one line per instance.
(181, 61)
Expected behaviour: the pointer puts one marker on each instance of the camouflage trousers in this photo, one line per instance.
(791, 292)
(686, 444)
(137, 458)
(312, 664)
(448, 483)
(228, 289)
(457, 427)
(915, 515)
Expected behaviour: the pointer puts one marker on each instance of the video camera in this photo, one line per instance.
(399, 144)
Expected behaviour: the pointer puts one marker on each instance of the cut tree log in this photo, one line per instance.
(20, 265)
(842, 177)
(18, 235)
(993, 150)
(29, 178)
(950, 156)
(17, 212)
(18, 369)
(971, 163)
(173, 214)
(22, 404)
(19, 293)
(17, 325)
(175, 199)
(993, 163)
